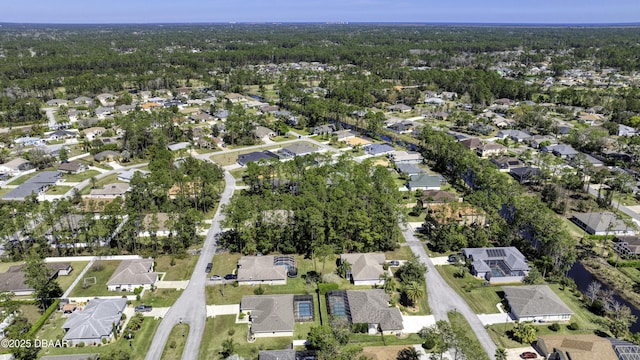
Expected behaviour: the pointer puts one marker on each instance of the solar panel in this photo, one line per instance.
(496, 253)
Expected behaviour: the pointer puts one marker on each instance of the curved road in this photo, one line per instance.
(190, 308)
(442, 298)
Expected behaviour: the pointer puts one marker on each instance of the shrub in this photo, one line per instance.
(104, 340)
(97, 267)
(172, 262)
(324, 288)
(172, 344)
(428, 344)
(231, 332)
(258, 291)
(242, 315)
(360, 328)
(554, 327)
(235, 284)
(81, 345)
(573, 326)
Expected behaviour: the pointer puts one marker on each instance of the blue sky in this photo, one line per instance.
(476, 11)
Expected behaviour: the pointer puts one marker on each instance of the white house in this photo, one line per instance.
(132, 274)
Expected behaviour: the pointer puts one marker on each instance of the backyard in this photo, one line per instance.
(66, 281)
(181, 269)
(101, 271)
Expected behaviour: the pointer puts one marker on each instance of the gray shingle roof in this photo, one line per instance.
(534, 300)
(134, 272)
(511, 256)
(601, 221)
(35, 184)
(260, 268)
(372, 307)
(269, 313)
(365, 266)
(95, 321)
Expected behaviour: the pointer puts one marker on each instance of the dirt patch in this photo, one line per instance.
(383, 352)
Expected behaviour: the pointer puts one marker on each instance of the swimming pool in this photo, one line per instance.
(303, 308)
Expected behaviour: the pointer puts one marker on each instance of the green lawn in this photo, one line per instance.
(401, 253)
(461, 327)
(58, 190)
(5, 190)
(81, 176)
(232, 157)
(159, 298)
(22, 179)
(181, 270)
(102, 271)
(376, 340)
(66, 281)
(4, 266)
(139, 345)
(221, 328)
(113, 178)
(176, 342)
(482, 299)
(32, 312)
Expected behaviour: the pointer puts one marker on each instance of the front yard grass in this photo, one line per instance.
(102, 271)
(481, 298)
(58, 190)
(159, 298)
(401, 253)
(461, 327)
(100, 183)
(81, 176)
(175, 344)
(181, 270)
(221, 328)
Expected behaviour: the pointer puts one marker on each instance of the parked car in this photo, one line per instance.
(143, 308)
(394, 263)
(452, 258)
(209, 267)
(230, 277)
(529, 355)
(215, 277)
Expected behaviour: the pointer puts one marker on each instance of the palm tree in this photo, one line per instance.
(409, 353)
(389, 283)
(501, 354)
(228, 347)
(413, 292)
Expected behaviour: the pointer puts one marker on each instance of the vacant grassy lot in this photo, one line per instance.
(401, 253)
(181, 270)
(102, 271)
(482, 299)
(159, 298)
(175, 344)
(100, 183)
(231, 157)
(81, 176)
(461, 327)
(221, 328)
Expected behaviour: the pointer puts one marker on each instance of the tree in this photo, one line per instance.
(593, 292)
(411, 271)
(344, 268)
(38, 276)
(413, 291)
(116, 354)
(228, 347)
(322, 252)
(389, 283)
(409, 353)
(63, 154)
(501, 354)
(524, 332)
(441, 335)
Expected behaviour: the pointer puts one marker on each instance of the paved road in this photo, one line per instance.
(190, 307)
(50, 115)
(442, 298)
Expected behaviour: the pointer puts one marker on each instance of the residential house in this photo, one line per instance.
(73, 167)
(366, 307)
(124, 109)
(202, 117)
(590, 119)
(449, 95)
(536, 141)
(127, 175)
(37, 185)
(16, 166)
(378, 149)
(437, 197)
(537, 303)
(83, 100)
(478, 127)
(29, 141)
(403, 157)
(133, 274)
(269, 315)
(602, 223)
(107, 155)
(234, 98)
(561, 150)
(402, 108)
(160, 226)
(471, 143)
(434, 101)
(500, 264)
(103, 111)
(324, 129)
(624, 130)
(425, 182)
(366, 269)
(106, 99)
(627, 245)
(298, 149)
(515, 135)
(502, 122)
(582, 347)
(490, 149)
(74, 114)
(525, 174)
(506, 163)
(95, 322)
(57, 102)
(344, 135)
(93, 132)
(179, 146)
(410, 169)
(255, 156)
(405, 127)
(269, 109)
(61, 135)
(151, 105)
(14, 279)
(110, 191)
(255, 270)
(264, 132)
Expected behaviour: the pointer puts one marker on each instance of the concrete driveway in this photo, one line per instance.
(172, 284)
(215, 310)
(413, 324)
(514, 354)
